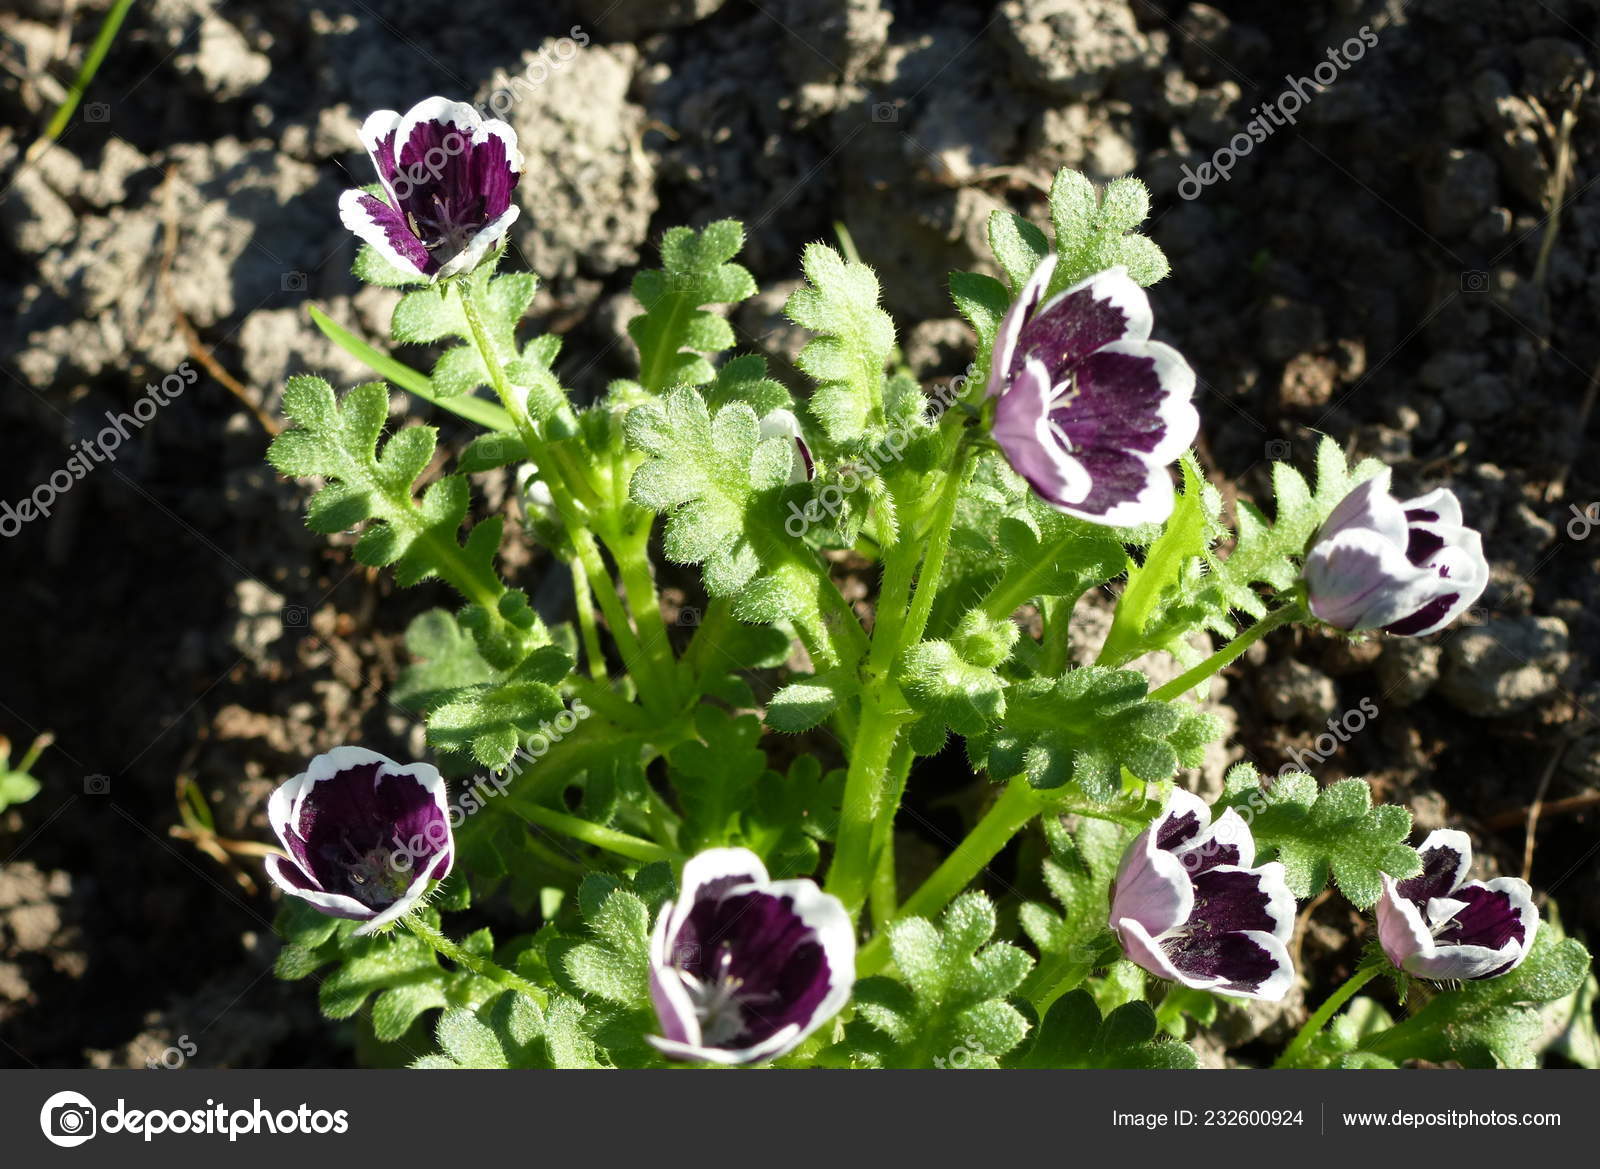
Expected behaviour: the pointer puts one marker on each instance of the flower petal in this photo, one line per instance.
(1005, 340)
(479, 246)
(1359, 580)
(1446, 856)
(1248, 963)
(294, 881)
(1107, 307)
(1402, 932)
(713, 873)
(378, 135)
(1023, 430)
(375, 222)
(1151, 888)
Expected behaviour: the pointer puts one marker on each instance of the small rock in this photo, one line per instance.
(261, 618)
(33, 216)
(1505, 666)
(226, 65)
(588, 189)
(1407, 670)
(628, 20)
(1466, 184)
(1072, 50)
(1481, 397)
(1293, 691)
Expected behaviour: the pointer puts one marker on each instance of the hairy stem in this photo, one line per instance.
(476, 963)
(1011, 812)
(1325, 1013)
(1191, 678)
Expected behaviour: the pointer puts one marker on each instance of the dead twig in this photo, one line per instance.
(191, 338)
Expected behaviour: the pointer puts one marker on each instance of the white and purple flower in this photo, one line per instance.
(742, 968)
(365, 835)
(1090, 411)
(1407, 567)
(448, 175)
(1440, 925)
(1187, 905)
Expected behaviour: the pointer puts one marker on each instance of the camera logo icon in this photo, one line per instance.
(97, 785)
(1474, 280)
(885, 111)
(68, 1119)
(96, 111)
(293, 282)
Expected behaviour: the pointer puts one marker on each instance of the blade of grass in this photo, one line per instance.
(468, 406)
(91, 66)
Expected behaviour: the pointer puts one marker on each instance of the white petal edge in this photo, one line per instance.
(713, 864)
(1452, 840)
(336, 904)
(358, 220)
(1177, 411)
(495, 128)
(1005, 338)
(478, 246)
(379, 123)
(825, 915)
(1115, 286)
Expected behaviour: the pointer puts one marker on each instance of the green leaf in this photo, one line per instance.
(1335, 832)
(485, 414)
(615, 965)
(1019, 247)
(948, 1007)
(807, 702)
(675, 331)
(983, 301)
(1494, 1022)
(1073, 1035)
(1085, 726)
(716, 776)
(720, 485)
(371, 267)
(966, 697)
(1093, 235)
(1076, 941)
(852, 342)
(792, 813)
(491, 721)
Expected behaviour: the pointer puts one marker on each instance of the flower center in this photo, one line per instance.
(375, 880)
(440, 229)
(719, 999)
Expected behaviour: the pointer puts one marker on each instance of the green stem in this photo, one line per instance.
(851, 871)
(883, 894)
(1017, 805)
(476, 963)
(1192, 677)
(586, 622)
(1325, 1014)
(655, 692)
(608, 839)
(938, 539)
